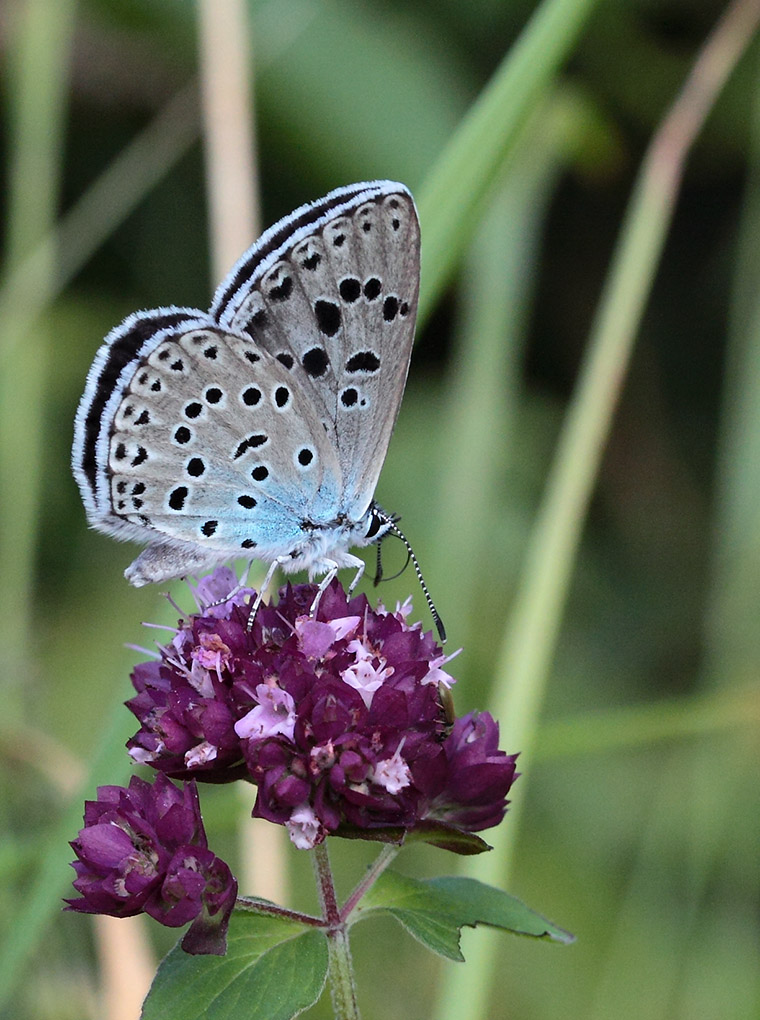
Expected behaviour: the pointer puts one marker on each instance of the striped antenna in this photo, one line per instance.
(394, 529)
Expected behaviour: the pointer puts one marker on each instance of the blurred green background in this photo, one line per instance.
(635, 824)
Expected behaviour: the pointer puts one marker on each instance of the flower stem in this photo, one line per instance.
(258, 906)
(374, 872)
(340, 970)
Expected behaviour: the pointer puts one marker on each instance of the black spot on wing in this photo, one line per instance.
(177, 497)
(251, 443)
(315, 362)
(328, 316)
(283, 290)
(390, 308)
(251, 396)
(282, 397)
(350, 289)
(363, 361)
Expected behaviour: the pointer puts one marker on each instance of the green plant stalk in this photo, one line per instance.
(340, 973)
(707, 801)
(532, 629)
(386, 856)
(41, 34)
(732, 634)
(480, 419)
(455, 190)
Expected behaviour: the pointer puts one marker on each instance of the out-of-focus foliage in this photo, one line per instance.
(641, 840)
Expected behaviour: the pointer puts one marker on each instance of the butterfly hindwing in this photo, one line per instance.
(211, 444)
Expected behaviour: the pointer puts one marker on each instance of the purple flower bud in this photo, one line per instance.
(478, 775)
(143, 849)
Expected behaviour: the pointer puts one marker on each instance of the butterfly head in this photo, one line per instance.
(375, 524)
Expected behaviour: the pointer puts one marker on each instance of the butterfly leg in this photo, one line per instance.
(278, 562)
(332, 570)
(360, 565)
(332, 567)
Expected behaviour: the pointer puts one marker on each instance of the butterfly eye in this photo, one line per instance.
(374, 525)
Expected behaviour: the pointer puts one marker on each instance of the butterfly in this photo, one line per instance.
(258, 429)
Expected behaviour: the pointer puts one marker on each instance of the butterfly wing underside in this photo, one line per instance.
(221, 433)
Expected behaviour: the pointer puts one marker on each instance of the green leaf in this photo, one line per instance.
(435, 910)
(445, 837)
(274, 969)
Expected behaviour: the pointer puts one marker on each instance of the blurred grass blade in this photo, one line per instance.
(479, 419)
(29, 289)
(733, 636)
(707, 818)
(232, 179)
(50, 874)
(41, 38)
(355, 90)
(533, 626)
(664, 721)
(227, 65)
(452, 197)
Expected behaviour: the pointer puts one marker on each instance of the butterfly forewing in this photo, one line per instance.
(336, 303)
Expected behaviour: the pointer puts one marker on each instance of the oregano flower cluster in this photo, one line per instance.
(336, 717)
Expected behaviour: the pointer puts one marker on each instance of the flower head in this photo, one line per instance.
(335, 716)
(470, 795)
(143, 849)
